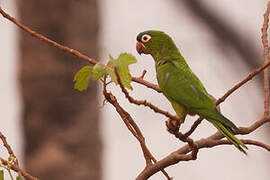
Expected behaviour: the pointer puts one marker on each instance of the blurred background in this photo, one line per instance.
(60, 133)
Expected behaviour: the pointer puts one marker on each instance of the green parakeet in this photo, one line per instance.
(181, 86)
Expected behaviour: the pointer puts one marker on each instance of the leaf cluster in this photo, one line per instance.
(101, 70)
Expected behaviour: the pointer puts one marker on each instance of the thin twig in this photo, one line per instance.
(8, 148)
(244, 81)
(129, 122)
(193, 127)
(127, 119)
(146, 83)
(246, 141)
(47, 40)
(266, 59)
(143, 102)
(143, 74)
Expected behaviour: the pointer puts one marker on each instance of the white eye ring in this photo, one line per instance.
(145, 38)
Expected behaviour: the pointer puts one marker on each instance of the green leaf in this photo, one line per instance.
(122, 63)
(19, 177)
(99, 70)
(110, 70)
(1, 175)
(81, 78)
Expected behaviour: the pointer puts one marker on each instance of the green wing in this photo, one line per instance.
(181, 85)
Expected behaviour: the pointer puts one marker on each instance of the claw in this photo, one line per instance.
(172, 125)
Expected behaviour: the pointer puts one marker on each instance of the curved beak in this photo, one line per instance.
(141, 48)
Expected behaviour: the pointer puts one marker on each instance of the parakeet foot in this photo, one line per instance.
(172, 125)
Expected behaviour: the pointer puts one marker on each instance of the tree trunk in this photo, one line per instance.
(61, 131)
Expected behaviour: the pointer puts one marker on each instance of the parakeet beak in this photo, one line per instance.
(141, 48)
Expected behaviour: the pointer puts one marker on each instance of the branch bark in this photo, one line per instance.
(133, 128)
(183, 154)
(266, 59)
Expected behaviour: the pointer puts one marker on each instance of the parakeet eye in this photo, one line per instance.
(145, 38)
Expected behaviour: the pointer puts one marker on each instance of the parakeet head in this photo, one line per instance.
(156, 43)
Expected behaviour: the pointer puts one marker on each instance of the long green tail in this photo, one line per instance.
(227, 132)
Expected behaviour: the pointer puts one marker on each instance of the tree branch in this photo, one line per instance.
(244, 81)
(143, 102)
(133, 128)
(266, 59)
(146, 83)
(246, 141)
(47, 40)
(209, 142)
(194, 126)
(7, 146)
